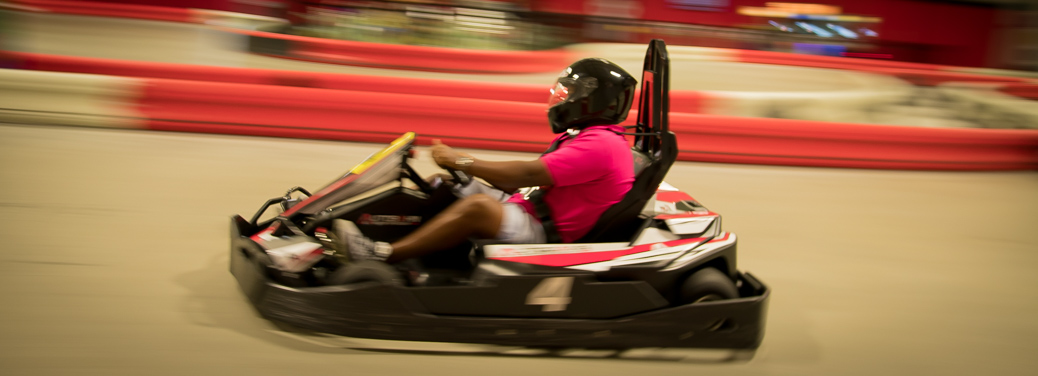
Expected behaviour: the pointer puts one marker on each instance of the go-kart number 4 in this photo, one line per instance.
(552, 293)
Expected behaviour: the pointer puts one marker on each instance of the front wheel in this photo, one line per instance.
(707, 285)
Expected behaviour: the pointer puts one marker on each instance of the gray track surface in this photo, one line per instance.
(115, 257)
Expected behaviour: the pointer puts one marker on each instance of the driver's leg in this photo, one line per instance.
(476, 216)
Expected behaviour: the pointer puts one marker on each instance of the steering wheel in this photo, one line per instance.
(460, 177)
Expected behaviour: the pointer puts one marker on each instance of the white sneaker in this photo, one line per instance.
(351, 241)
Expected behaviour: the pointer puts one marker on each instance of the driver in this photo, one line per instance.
(586, 169)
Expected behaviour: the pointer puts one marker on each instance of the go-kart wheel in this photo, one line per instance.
(366, 271)
(707, 285)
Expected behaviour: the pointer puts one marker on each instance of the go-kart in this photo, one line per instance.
(656, 270)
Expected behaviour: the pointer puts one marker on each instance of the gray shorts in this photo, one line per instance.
(517, 226)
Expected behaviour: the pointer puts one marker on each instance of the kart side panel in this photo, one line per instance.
(510, 297)
(391, 214)
(372, 310)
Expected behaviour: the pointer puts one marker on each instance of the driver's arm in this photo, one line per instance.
(507, 176)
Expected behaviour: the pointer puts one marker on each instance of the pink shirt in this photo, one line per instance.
(591, 173)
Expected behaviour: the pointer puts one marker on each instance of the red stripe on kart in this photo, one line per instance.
(685, 215)
(320, 194)
(672, 196)
(579, 258)
(258, 237)
(721, 239)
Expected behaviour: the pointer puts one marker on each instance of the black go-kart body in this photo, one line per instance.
(657, 270)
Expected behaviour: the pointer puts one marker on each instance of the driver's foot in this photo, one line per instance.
(351, 241)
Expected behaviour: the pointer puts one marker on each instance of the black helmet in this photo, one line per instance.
(590, 92)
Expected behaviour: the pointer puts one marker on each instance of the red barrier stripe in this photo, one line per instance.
(886, 164)
(917, 74)
(447, 59)
(750, 56)
(89, 8)
(805, 143)
(176, 105)
(681, 101)
(255, 108)
(419, 57)
(343, 51)
(429, 58)
(1027, 90)
(170, 104)
(533, 93)
(821, 130)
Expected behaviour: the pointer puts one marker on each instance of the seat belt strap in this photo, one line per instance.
(536, 197)
(543, 214)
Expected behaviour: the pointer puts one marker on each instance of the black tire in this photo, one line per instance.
(366, 271)
(707, 285)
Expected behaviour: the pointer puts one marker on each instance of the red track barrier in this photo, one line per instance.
(476, 61)
(533, 93)
(511, 117)
(423, 58)
(88, 8)
(341, 51)
(1027, 90)
(723, 139)
(773, 57)
(681, 101)
(176, 105)
(917, 74)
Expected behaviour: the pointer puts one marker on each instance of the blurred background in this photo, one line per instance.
(876, 158)
(977, 33)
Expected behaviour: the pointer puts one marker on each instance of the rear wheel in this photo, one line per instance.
(707, 285)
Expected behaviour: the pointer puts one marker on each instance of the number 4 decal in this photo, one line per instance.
(552, 293)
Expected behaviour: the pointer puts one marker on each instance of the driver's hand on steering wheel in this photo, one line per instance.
(444, 156)
(436, 179)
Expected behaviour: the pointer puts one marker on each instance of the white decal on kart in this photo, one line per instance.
(552, 293)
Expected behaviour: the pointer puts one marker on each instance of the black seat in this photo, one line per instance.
(622, 220)
(653, 143)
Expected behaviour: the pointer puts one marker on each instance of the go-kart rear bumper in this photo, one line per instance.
(373, 310)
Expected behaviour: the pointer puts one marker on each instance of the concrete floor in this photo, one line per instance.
(115, 262)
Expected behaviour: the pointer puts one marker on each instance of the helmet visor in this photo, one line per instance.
(571, 89)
